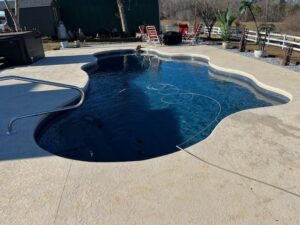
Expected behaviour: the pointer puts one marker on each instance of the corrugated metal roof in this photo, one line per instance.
(2, 5)
(34, 3)
(28, 3)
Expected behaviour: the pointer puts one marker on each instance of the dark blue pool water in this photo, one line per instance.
(139, 107)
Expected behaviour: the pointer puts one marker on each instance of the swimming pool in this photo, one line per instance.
(140, 106)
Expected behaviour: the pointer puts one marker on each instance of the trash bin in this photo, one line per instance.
(21, 48)
(172, 38)
(183, 29)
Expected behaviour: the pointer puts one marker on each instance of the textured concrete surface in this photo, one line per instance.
(246, 172)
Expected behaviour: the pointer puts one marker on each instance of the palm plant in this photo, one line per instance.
(225, 19)
(248, 5)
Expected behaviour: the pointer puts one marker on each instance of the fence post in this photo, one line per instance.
(284, 40)
(243, 41)
(256, 36)
(288, 51)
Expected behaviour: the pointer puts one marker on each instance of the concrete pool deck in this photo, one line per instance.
(246, 172)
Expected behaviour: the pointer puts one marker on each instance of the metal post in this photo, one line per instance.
(14, 119)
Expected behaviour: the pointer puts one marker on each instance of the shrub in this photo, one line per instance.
(226, 19)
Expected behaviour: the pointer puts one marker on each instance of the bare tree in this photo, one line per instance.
(15, 16)
(185, 9)
(207, 12)
(264, 10)
(121, 6)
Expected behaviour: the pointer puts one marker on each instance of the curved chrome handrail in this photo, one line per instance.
(14, 119)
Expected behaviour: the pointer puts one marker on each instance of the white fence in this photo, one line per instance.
(166, 28)
(273, 39)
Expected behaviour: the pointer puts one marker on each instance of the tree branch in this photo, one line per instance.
(15, 17)
(9, 9)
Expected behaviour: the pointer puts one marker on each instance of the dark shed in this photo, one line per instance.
(97, 16)
(39, 15)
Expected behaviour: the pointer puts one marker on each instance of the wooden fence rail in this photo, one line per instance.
(273, 39)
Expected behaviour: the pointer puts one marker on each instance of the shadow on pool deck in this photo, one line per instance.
(31, 99)
(86, 135)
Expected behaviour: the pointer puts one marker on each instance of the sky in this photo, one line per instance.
(1, 12)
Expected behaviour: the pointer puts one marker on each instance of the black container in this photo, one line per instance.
(21, 48)
(172, 38)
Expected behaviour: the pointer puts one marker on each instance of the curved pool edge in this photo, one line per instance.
(255, 83)
(208, 60)
(87, 68)
(260, 161)
(268, 89)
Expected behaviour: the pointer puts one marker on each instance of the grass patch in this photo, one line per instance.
(55, 45)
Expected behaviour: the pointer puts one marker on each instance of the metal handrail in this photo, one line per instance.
(14, 119)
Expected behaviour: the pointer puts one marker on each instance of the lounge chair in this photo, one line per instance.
(152, 34)
(194, 37)
(143, 32)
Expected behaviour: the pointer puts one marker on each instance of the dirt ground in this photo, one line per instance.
(280, 28)
(48, 46)
(272, 51)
